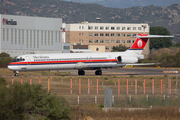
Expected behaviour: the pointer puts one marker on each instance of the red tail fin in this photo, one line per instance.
(139, 44)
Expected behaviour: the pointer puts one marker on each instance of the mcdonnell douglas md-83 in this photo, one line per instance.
(83, 61)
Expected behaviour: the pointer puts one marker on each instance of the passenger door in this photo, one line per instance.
(28, 60)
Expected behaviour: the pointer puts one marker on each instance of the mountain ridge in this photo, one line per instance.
(74, 12)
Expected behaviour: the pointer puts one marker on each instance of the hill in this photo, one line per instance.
(73, 12)
(129, 3)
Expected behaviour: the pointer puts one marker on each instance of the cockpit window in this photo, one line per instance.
(18, 60)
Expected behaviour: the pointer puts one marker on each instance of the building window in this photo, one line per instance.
(23, 37)
(48, 37)
(134, 34)
(101, 41)
(38, 39)
(95, 34)
(101, 34)
(107, 28)
(90, 41)
(90, 27)
(15, 36)
(128, 28)
(56, 36)
(59, 37)
(107, 41)
(101, 28)
(96, 41)
(133, 41)
(30, 38)
(107, 48)
(134, 28)
(79, 40)
(42, 37)
(34, 38)
(66, 47)
(7, 34)
(128, 35)
(79, 34)
(82, 27)
(82, 34)
(118, 34)
(19, 36)
(112, 34)
(123, 35)
(51, 37)
(111, 48)
(79, 27)
(90, 34)
(27, 38)
(112, 28)
(123, 28)
(128, 41)
(3, 34)
(96, 27)
(82, 41)
(117, 41)
(117, 28)
(112, 41)
(12, 36)
(97, 49)
(107, 34)
(123, 41)
(139, 28)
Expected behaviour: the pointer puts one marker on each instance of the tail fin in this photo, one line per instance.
(141, 41)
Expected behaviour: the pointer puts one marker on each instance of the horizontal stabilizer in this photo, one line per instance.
(154, 36)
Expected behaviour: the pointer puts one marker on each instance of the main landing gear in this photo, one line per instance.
(98, 72)
(16, 73)
(81, 72)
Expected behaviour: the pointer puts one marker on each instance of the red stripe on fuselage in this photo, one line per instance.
(68, 61)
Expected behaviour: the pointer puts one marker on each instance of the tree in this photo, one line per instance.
(5, 59)
(119, 48)
(157, 43)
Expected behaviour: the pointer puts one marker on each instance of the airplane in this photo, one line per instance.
(83, 61)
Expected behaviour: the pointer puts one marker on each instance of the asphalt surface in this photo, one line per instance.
(127, 71)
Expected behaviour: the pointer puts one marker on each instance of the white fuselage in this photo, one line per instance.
(59, 61)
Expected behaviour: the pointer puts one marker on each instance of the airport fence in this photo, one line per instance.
(124, 92)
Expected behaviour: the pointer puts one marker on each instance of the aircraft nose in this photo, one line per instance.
(10, 67)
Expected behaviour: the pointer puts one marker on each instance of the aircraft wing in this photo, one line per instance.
(87, 66)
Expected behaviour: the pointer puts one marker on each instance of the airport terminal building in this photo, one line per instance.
(25, 35)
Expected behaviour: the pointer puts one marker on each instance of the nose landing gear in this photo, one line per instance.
(16, 73)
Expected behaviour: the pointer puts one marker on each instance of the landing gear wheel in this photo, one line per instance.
(81, 72)
(98, 72)
(16, 74)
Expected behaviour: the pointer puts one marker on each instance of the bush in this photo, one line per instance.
(22, 101)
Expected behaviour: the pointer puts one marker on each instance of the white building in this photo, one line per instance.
(24, 35)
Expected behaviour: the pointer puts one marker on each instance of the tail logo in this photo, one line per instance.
(139, 43)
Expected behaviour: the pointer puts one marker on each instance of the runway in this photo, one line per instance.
(126, 71)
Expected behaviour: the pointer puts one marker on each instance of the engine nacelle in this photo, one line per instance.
(124, 59)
